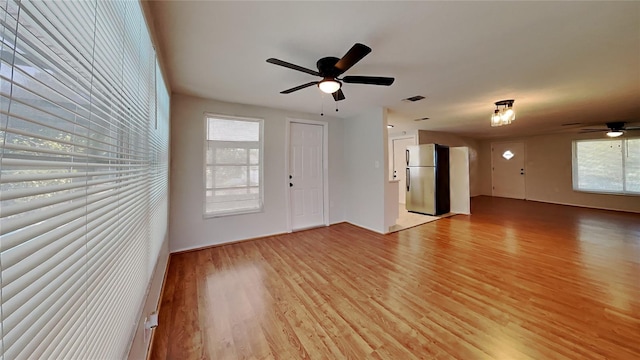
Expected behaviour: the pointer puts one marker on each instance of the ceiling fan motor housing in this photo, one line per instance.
(616, 126)
(326, 67)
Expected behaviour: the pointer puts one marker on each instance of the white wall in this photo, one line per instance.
(548, 173)
(365, 139)
(188, 228)
(459, 180)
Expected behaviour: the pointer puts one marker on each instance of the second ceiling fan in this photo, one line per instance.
(329, 68)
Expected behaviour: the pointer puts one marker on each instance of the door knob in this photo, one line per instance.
(290, 185)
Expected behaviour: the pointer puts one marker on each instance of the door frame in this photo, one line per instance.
(391, 139)
(325, 167)
(391, 158)
(524, 164)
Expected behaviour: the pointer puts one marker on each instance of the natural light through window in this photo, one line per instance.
(607, 166)
(233, 165)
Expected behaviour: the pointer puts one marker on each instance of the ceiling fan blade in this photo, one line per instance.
(292, 66)
(355, 54)
(593, 130)
(288, 91)
(632, 128)
(338, 95)
(370, 80)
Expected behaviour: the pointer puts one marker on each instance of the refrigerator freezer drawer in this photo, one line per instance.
(421, 189)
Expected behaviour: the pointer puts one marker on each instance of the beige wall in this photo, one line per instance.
(548, 173)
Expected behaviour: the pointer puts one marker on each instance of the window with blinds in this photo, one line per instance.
(233, 165)
(607, 166)
(84, 131)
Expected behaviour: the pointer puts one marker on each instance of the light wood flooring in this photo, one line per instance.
(515, 280)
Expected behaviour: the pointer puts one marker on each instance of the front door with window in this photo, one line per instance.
(508, 172)
(306, 176)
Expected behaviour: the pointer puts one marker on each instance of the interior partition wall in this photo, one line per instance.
(84, 131)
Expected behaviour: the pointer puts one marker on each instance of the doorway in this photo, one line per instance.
(507, 170)
(307, 174)
(400, 165)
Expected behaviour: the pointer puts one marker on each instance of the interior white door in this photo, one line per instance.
(508, 172)
(400, 165)
(306, 175)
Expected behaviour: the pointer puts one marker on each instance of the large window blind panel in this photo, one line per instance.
(159, 170)
(83, 176)
(233, 165)
(607, 166)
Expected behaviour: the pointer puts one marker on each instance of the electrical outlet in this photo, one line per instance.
(151, 321)
(147, 331)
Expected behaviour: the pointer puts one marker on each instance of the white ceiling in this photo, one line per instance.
(562, 62)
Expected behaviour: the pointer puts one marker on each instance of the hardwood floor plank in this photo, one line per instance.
(517, 279)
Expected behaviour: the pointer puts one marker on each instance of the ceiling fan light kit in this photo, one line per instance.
(329, 68)
(504, 116)
(614, 129)
(614, 133)
(329, 86)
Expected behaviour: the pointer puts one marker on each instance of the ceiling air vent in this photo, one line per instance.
(414, 98)
(422, 119)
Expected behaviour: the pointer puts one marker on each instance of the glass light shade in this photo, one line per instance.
(509, 114)
(614, 133)
(329, 86)
(496, 120)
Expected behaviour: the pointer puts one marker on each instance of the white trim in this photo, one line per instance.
(325, 167)
(390, 157)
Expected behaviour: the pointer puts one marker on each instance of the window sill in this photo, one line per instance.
(231, 213)
(602, 192)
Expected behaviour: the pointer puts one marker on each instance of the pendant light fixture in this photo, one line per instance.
(505, 115)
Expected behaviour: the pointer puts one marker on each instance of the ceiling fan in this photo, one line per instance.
(329, 68)
(614, 129)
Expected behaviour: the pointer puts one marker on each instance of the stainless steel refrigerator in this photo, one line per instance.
(428, 179)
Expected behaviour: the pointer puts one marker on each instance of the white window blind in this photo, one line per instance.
(233, 165)
(83, 176)
(607, 166)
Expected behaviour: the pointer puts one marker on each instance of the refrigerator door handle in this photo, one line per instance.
(408, 176)
(407, 156)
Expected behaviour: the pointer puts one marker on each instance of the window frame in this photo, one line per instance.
(205, 165)
(574, 168)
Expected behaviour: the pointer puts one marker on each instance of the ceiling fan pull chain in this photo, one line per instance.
(322, 106)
